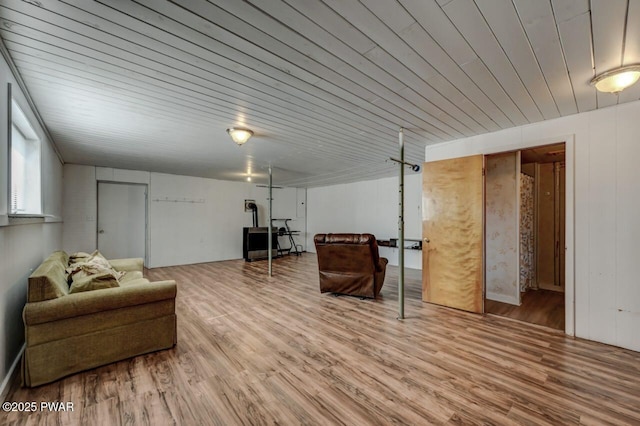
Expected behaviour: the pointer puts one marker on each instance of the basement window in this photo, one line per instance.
(25, 182)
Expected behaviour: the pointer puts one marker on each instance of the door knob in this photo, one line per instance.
(426, 240)
(101, 231)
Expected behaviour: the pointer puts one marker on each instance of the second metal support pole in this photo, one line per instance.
(401, 228)
(269, 233)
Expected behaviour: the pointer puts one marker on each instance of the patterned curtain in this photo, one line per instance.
(527, 260)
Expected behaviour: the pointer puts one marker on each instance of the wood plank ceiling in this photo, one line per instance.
(325, 84)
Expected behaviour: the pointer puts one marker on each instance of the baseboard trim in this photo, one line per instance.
(6, 383)
(502, 298)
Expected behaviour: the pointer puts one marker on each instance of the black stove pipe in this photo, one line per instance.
(254, 209)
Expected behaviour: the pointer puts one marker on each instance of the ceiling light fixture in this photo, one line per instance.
(616, 80)
(239, 135)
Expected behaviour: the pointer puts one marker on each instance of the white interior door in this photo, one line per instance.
(122, 220)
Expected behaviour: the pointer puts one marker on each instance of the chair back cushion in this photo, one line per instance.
(350, 264)
(346, 252)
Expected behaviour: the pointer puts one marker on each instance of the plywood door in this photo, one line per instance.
(452, 229)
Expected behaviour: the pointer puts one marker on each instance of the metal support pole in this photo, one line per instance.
(269, 233)
(401, 228)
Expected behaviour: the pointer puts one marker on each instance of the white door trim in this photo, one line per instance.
(569, 274)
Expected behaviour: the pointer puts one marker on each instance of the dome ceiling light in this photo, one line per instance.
(240, 135)
(616, 80)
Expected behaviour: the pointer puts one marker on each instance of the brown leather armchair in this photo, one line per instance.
(350, 264)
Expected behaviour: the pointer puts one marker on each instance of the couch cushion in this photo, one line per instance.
(126, 265)
(130, 276)
(60, 256)
(95, 264)
(49, 280)
(79, 257)
(133, 282)
(89, 302)
(93, 282)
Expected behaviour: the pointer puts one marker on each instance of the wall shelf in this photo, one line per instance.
(409, 243)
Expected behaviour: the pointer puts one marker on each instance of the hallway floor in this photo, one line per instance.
(542, 307)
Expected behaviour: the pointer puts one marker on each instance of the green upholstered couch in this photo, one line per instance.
(70, 332)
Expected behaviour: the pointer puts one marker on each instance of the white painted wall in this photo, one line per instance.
(368, 206)
(80, 214)
(606, 201)
(24, 243)
(190, 220)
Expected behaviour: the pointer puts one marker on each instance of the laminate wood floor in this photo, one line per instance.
(542, 307)
(254, 350)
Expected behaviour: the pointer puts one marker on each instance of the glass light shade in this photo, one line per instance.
(239, 136)
(617, 80)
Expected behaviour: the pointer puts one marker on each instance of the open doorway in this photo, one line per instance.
(525, 235)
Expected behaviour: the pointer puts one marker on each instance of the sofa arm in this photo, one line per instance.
(382, 264)
(127, 265)
(90, 302)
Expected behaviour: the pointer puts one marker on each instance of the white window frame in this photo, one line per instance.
(19, 123)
